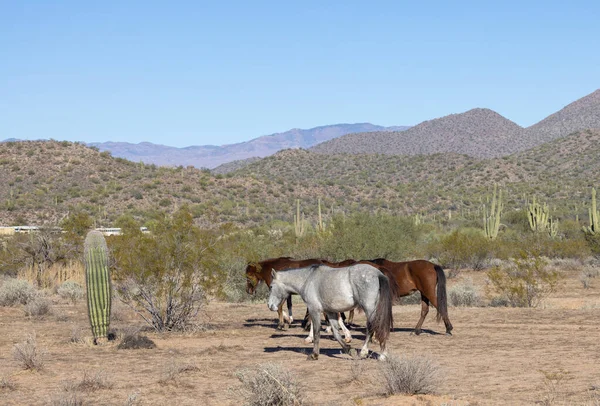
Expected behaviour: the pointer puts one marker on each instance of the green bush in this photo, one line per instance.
(462, 248)
(524, 281)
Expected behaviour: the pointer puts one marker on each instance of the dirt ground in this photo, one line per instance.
(497, 356)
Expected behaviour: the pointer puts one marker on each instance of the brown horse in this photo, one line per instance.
(257, 272)
(423, 276)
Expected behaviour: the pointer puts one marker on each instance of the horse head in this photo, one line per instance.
(252, 277)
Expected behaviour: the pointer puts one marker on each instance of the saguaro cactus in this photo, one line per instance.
(491, 220)
(594, 227)
(538, 216)
(97, 281)
(299, 221)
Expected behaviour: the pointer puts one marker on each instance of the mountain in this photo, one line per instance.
(480, 133)
(580, 115)
(210, 156)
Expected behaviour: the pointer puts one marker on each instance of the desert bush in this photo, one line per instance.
(28, 355)
(524, 281)
(410, 375)
(463, 248)
(357, 369)
(162, 276)
(133, 340)
(269, 384)
(413, 298)
(67, 399)
(16, 291)
(464, 294)
(93, 381)
(71, 290)
(38, 307)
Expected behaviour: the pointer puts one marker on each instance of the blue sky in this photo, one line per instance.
(184, 73)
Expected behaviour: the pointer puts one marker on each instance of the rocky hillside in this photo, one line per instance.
(211, 156)
(45, 181)
(480, 133)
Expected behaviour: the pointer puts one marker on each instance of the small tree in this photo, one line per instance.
(525, 281)
(163, 275)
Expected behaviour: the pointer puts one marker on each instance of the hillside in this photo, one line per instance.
(47, 180)
(479, 133)
(211, 156)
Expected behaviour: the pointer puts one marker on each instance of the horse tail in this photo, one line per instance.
(382, 320)
(442, 298)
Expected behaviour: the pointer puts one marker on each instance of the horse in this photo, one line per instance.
(261, 271)
(257, 272)
(331, 290)
(418, 275)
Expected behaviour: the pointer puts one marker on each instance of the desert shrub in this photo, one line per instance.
(462, 248)
(71, 290)
(366, 236)
(38, 307)
(28, 355)
(269, 384)
(524, 281)
(410, 375)
(163, 275)
(67, 399)
(133, 340)
(587, 274)
(93, 381)
(464, 294)
(16, 291)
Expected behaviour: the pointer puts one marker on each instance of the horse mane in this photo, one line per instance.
(378, 261)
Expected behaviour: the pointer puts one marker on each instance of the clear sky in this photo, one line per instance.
(195, 73)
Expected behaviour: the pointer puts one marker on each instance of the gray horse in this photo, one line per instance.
(332, 290)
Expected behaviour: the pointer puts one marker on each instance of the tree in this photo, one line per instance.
(165, 274)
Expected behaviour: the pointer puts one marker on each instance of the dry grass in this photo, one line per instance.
(174, 369)
(29, 356)
(7, 384)
(410, 375)
(269, 384)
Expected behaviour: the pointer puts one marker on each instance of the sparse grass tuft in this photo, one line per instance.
(269, 384)
(29, 355)
(174, 369)
(7, 384)
(357, 369)
(71, 291)
(410, 375)
(94, 381)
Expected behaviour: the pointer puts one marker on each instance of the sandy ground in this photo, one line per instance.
(497, 356)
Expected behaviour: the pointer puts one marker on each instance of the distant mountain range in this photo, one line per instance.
(480, 133)
(211, 156)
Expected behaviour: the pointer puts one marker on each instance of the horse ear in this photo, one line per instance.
(273, 274)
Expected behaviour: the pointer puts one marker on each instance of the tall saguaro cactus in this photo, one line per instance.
(491, 220)
(594, 227)
(97, 281)
(299, 221)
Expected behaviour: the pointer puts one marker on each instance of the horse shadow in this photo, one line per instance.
(412, 331)
(336, 353)
(261, 323)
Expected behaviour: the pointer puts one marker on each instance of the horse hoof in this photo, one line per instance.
(312, 357)
(308, 340)
(448, 333)
(364, 354)
(348, 340)
(417, 332)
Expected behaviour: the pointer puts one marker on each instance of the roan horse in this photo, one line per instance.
(261, 271)
(423, 276)
(332, 290)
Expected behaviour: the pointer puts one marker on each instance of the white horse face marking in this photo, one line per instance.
(276, 295)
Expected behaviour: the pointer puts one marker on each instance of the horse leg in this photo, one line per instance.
(315, 317)
(282, 317)
(310, 338)
(335, 327)
(347, 335)
(306, 321)
(364, 351)
(424, 311)
(289, 306)
(351, 317)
